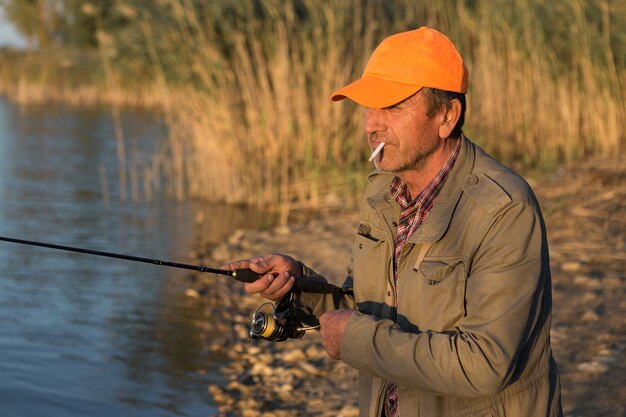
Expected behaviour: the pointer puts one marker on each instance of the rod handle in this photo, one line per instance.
(248, 275)
(245, 275)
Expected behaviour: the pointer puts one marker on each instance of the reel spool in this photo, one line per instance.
(277, 323)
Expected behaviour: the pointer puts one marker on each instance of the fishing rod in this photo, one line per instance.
(241, 274)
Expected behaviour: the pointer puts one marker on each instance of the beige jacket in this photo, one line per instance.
(471, 334)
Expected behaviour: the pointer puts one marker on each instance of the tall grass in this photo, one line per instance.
(256, 125)
(244, 86)
(533, 105)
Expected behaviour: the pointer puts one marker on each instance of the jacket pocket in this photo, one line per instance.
(436, 292)
(434, 271)
(369, 263)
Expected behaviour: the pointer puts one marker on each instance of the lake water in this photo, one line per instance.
(82, 335)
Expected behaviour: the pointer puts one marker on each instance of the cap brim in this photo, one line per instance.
(374, 92)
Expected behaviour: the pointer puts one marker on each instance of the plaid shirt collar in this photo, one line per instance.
(400, 191)
(414, 211)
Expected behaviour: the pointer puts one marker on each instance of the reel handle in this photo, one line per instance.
(248, 275)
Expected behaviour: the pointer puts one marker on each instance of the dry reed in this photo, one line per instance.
(260, 129)
(264, 133)
(244, 89)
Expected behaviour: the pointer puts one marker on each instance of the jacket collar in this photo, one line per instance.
(382, 202)
(440, 214)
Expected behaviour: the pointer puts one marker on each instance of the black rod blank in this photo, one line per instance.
(119, 256)
(242, 275)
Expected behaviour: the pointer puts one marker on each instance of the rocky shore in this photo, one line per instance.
(291, 378)
(585, 212)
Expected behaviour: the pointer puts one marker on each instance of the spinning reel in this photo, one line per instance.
(277, 323)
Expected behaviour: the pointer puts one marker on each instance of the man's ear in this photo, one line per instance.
(450, 119)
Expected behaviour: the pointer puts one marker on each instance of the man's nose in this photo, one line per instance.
(374, 121)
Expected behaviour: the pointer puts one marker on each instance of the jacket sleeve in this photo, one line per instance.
(310, 306)
(504, 293)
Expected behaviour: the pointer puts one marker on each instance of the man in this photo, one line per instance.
(452, 300)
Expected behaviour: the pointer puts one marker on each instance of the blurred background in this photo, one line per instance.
(157, 128)
(243, 86)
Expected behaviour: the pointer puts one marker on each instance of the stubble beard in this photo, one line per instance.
(416, 163)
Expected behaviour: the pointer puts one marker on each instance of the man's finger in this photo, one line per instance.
(280, 287)
(259, 285)
(277, 283)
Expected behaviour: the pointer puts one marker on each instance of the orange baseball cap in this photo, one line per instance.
(404, 63)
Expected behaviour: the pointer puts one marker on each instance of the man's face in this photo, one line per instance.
(410, 136)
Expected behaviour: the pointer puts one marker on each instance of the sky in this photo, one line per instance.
(8, 35)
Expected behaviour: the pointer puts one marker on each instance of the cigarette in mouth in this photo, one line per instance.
(377, 151)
